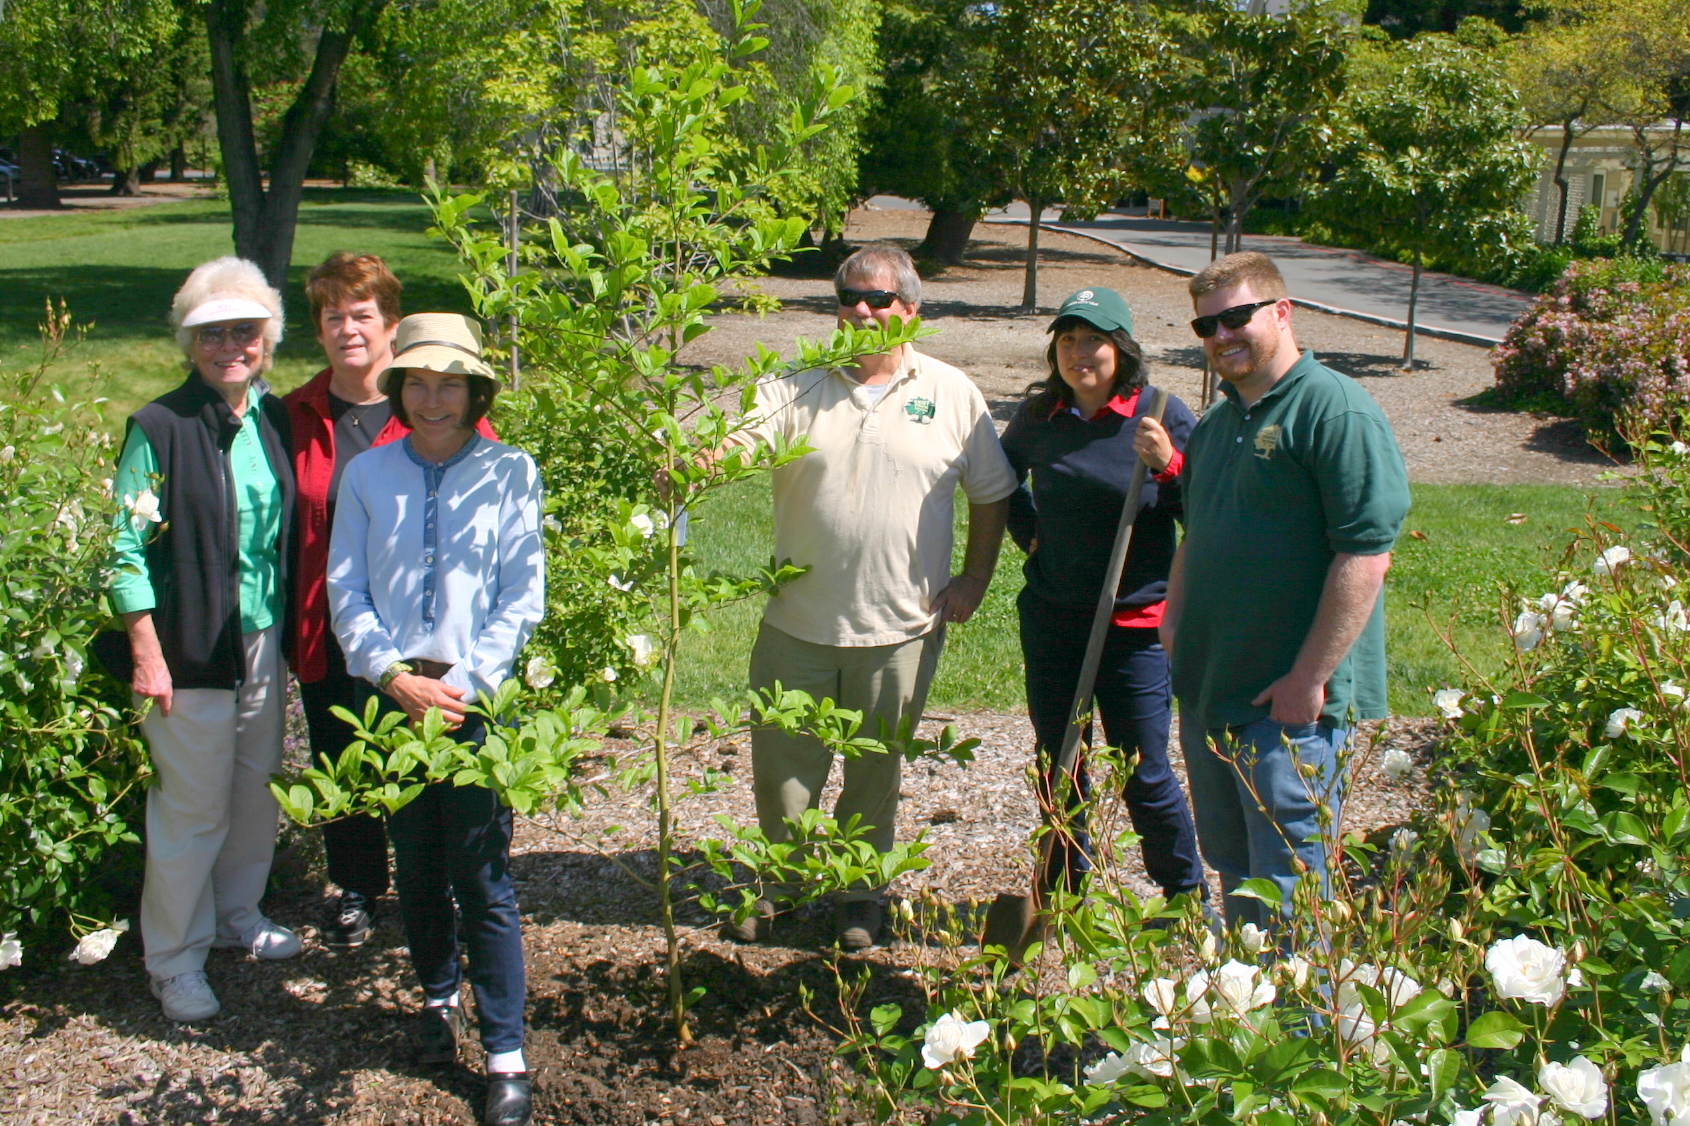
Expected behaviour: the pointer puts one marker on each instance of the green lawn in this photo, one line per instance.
(1456, 572)
(119, 269)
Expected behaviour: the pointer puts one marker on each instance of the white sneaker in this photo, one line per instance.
(186, 997)
(264, 939)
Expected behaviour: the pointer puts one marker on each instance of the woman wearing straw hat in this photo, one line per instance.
(1076, 434)
(436, 579)
(202, 552)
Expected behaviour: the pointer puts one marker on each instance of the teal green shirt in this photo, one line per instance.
(1272, 492)
(258, 499)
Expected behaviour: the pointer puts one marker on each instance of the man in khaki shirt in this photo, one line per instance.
(870, 512)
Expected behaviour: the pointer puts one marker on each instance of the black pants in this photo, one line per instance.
(454, 843)
(1134, 699)
(355, 847)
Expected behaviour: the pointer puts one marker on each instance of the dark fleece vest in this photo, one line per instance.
(194, 561)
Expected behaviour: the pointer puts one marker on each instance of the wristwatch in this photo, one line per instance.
(391, 671)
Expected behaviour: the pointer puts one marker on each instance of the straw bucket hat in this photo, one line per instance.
(445, 342)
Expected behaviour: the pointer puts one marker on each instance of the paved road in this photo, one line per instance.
(1345, 281)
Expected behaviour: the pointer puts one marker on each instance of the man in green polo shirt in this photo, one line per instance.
(1295, 491)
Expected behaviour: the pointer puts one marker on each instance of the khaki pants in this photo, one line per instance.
(211, 819)
(884, 682)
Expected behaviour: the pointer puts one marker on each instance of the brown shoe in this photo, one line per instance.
(857, 922)
(754, 927)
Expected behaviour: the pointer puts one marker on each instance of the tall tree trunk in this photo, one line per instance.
(38, 187)
(1215, 235)
(178, 165)
(1030, 284)
(1646, 180)
(1561, 181)
(1413, 300)
(947, 235)
(265, 219)
(126, 181)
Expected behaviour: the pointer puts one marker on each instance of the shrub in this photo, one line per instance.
(70, 763)
(1611, 339)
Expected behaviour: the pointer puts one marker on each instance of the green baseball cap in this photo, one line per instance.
(1101, 307)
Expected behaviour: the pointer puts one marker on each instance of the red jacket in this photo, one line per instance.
(313, 469)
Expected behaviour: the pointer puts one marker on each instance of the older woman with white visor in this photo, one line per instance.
(207, 491)
(436, 580)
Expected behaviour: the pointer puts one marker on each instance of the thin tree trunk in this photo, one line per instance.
(1215, 235)
(1647, 181)
(1413, 300)
(1561, 181)
(947, 235)
(126, 181)
(665, 815)
(265, 219)
(1030, 285)
(38, 187)
(1234, 230)
(178, 165)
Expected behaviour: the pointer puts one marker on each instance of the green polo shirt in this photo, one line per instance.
(258, 498)
(1272, 492)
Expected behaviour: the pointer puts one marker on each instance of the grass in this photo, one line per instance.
(1455, 576)
(118, 270)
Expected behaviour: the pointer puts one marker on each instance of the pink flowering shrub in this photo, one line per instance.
(1608, 340)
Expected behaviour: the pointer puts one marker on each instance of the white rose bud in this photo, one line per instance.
(95, 947)
(11, 951)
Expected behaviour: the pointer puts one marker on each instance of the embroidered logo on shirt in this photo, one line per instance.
(1267, 440)
(920, 410)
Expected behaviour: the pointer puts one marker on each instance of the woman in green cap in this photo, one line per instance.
(1072, 445)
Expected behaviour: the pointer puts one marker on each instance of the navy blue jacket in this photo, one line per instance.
(1079, 478)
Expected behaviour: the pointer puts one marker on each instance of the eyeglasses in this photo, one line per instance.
(873, 298)
(1234, 318)
(242, 334)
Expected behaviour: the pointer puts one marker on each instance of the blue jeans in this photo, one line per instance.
(454, 842)
(1259, 761)
(1134, 702)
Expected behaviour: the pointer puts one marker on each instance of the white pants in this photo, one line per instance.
(211, 819)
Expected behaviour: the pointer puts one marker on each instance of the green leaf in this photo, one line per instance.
(1495, 1030)
(1265, 890)
(1524, 700)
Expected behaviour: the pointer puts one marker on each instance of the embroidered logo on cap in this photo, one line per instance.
(1083, 295)
(920, 410)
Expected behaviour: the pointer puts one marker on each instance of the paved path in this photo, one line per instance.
(1322, 277)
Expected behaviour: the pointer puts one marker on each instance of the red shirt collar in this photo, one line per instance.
(1116, 405)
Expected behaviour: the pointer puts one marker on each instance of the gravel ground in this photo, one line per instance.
(322, 1039)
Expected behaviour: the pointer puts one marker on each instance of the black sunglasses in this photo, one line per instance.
(1234, 318)
(873, 298)
(242, 334)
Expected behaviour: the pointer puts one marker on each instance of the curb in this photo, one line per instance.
(1320, 307)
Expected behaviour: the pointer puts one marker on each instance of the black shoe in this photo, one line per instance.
(756, 926)
(438, 1029)
(858, 923)
(510, 1099)
(349, 922)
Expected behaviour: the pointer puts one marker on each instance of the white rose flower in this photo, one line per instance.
(1561, 618)
(1448, 701)
(11, 950)
(142, 509)
(1469, 823)
(1206, 950)
(1674, 618)
(1524, 969)
(644, 523)
(1196, 1001)
(1665, 1090)
(1160, 995)
(95, 947)
(43, 649)
(1396, 987)
(608, 675)
(7, 453)
(73, 667)
(1241, 988)
(1396, 764)
(1297, 968)
(1511, 1103)
(538, 672)
(1106, 1070)
(1467, 1117)
(1252, 938)
(1654, 983)
(1612, 559)
(1574, 592)
(1527, 630)
(644, 650)
(1403, 842)
(1153, 1059)
(1679, 448)
(951, 1037)
(1673, 691)
(553, 525)
(616, 581)
(1575, 978)
(1618, 720)
(1577, 1087)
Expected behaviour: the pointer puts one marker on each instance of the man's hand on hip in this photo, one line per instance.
(960, 598)
(1292, 700)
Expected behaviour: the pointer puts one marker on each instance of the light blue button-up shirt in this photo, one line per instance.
(438, 562)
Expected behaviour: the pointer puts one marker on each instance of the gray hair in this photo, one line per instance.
(226, 277)
(878, 258)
